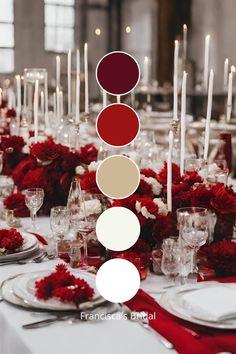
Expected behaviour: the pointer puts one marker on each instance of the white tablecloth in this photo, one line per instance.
(106, 337)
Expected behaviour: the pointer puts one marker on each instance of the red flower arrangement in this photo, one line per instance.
(16, 202)
(88, 182)
(50, 166)
(221, 256)
(64, 286)
(10, 241)
(12, 146)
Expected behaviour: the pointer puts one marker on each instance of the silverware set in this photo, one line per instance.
(38, 258)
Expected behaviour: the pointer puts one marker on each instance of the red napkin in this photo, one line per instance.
(212, 340)
(40, 238)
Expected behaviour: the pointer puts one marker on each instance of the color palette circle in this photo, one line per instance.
(117, 73)
(117, 177)
(117, 228)
(117, 280)
(117, 125)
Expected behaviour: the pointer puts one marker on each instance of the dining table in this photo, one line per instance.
(117, 335)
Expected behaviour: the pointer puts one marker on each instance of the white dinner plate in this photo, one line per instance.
(172, 302)
(24, 288)
(30, 244)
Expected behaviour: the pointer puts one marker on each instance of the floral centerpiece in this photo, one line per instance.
(49, 166)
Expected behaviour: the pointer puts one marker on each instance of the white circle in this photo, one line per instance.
(117, 228)
(117, 280)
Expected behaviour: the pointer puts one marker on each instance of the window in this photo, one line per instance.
(7, 41)
(59, 20)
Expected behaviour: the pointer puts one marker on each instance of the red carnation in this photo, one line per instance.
(12, 143)
(221, 257)
(148, 172)
(88, 154)
(46, 151)
(10, 240)
(88, 182)
(63, 285)
(11, 113)
(38, 178)
(162, 176)
(163, 227)
(223, 200)
(201, 197)
(144, 189)
(192, 177)
(16, 202)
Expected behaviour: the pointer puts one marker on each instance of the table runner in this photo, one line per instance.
(212, 341)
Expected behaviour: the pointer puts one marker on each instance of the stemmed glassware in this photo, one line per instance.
(193, 224)
(84, 209)
(34, 200)
(59, 221)
(171, 256)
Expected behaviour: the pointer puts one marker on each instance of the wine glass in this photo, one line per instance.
(195, 233)
(84, 212)
(196, 165)
(34, 200)
(171, 257)
(59, 221)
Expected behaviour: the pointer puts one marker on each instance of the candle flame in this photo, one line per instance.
(85, 45)
(233, 69)
(208, 37)
(185, 27)
(146, 59)
(176, 42)
(226, 60)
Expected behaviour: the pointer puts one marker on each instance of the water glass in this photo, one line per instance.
(170, 262)
(59, 221)
(34, 200)
(196, 165)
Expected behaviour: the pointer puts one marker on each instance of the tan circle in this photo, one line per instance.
(117, 177)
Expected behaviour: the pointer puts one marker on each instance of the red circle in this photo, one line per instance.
(117, 73)
(118, 124)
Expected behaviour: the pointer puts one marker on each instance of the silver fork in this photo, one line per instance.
(142, 318)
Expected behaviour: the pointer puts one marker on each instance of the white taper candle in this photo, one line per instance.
(183, 123)
(208, 116)
(226, 73)
(175, 79)
(206, 62)
(69, 80)
(58, 71)
(77, 98)
(86, 78)
(36, 108)
(230, 91)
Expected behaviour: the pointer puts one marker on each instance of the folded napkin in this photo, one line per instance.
(214, 304)
(40, 238)
(212, 341)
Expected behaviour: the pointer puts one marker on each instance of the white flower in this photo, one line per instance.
(155, 185)
(26, 149)
(41, 139)
(91, 207)
(79, 170)
(143, 210)
(93, 166)
(162, 207)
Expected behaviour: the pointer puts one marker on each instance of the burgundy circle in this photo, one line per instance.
(117, 124)
(117, 73)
